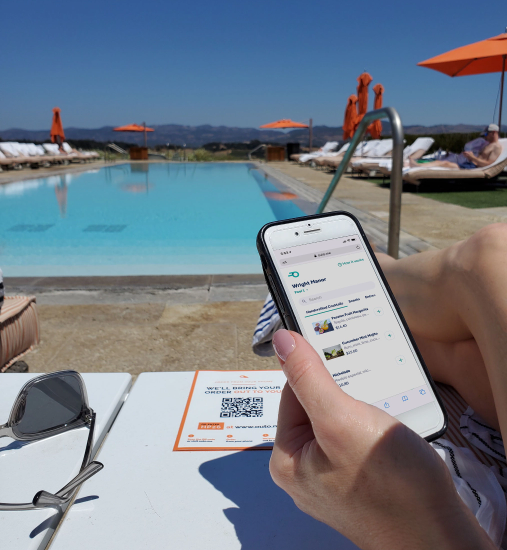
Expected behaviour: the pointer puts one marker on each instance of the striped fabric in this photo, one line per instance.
(19, 329)
(456, 407)
(269, 322)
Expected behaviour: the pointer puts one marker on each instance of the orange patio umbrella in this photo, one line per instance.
(487, 56)
(350, 120)
(375, 129)
(284, 123)
(57, 135)
(135, 128)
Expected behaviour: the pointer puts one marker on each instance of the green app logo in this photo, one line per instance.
(293, 274)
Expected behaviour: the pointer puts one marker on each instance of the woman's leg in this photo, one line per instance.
(455, 302)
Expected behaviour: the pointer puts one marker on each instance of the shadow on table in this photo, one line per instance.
(266, 516)
(53, 520)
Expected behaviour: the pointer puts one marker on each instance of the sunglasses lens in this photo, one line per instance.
(51, 403)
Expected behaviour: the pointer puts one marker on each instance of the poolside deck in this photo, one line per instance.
(137, 324)
(425, 223)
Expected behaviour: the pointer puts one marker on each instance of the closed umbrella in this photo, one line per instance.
(487, 56)
(349, 122)
(363, 80)
(57, 135)
(375, 129)
(135, 128)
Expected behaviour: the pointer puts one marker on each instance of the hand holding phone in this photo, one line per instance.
(329, 288)
(350, 465)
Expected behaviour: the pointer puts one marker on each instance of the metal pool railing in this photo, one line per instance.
(393, 240)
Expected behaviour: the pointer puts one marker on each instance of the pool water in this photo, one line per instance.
(139, 219)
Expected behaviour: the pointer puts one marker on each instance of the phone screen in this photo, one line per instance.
(345, 312)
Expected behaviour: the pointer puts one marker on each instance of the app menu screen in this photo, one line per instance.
(344, 311)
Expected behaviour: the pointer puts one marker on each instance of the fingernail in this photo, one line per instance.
(284, 344)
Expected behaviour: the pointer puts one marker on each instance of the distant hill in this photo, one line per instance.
(196, 136)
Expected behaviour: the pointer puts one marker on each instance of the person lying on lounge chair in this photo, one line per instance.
(468, 160)
(359, 470)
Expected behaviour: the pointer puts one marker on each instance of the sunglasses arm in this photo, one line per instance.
(43, 499)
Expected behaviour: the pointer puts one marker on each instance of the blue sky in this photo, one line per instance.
(236, 63)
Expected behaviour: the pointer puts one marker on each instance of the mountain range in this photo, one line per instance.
(196, 136)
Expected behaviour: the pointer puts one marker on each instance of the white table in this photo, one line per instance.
(48, 464)
(151, 497)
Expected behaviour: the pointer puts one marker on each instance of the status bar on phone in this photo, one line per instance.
(319, 255)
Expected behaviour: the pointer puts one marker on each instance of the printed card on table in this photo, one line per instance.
(231, 410)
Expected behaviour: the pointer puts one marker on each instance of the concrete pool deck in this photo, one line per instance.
(432, 222)
(174, 323)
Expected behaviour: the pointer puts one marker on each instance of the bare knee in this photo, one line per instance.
(448, 164)
(479, 255)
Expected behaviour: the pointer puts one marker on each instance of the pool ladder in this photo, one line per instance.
(396, 188)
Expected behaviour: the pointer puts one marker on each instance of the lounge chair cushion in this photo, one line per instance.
(19, 329)
(8, 149)
(324, 150)
(22, 149)
(364, 148)
(33, 150)
(51, 148)
(343, 148)
(381, 149)
(67, 148)
(423, 143)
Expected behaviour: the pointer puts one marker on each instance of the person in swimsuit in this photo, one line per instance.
(487, 156)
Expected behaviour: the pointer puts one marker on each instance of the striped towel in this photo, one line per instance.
(269, 322)
(2, 292)
(19, 329)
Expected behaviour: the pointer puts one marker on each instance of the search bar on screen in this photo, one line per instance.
(338, 293)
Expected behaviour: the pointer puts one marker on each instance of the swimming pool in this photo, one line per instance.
(139, 219)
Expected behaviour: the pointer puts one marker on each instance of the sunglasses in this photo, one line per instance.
(49, 405)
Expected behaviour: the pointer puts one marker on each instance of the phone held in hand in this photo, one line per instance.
(328, 287)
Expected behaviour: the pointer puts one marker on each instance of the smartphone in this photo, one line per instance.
(328, 287)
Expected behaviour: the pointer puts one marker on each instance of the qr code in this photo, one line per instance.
(238, 406)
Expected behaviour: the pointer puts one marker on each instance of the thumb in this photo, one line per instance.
(309, 379)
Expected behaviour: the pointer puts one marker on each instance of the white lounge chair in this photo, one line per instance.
(7, 161)
(305, 157)
(79, 155)
(17, 153)
(414, 152)
(365, 149)
(419, 173)
(378, 153)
